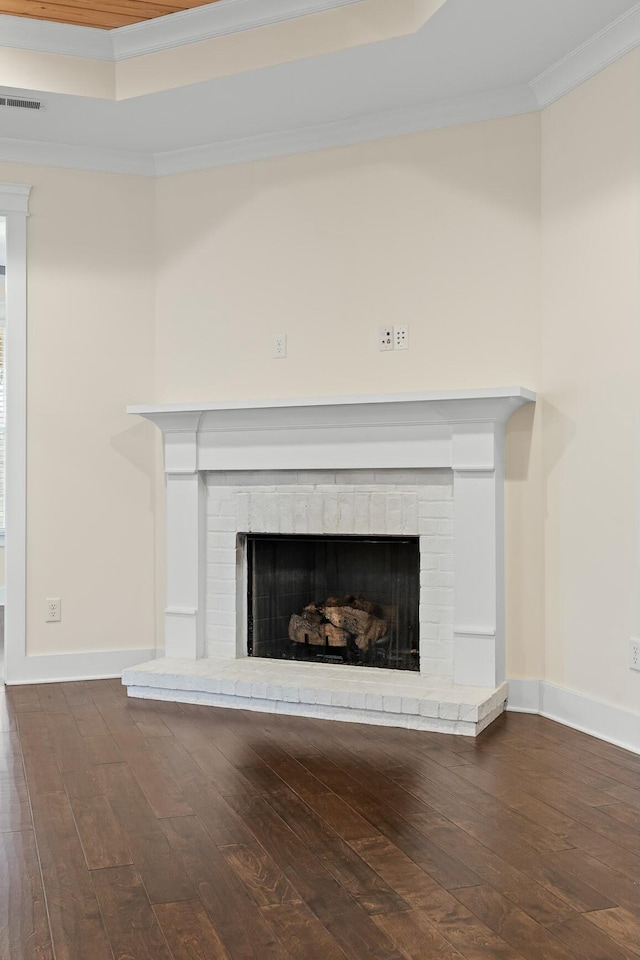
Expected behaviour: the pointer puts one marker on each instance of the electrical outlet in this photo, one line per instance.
(401, 337)
(634, 654)
(385, 338)
(279, 346)
(53, 614)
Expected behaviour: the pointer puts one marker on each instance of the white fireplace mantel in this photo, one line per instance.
(462, 430)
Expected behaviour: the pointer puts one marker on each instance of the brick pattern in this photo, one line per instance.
(384, 502)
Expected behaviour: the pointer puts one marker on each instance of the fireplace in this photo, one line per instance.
(332, 599)
(417, 472)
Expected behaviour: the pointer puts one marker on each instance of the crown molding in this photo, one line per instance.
(603, 48)
(352, 130)
(211, 21)
(45, 36)
(163, 33)
(73, 157)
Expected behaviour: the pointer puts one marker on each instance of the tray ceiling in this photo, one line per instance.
(103, 14)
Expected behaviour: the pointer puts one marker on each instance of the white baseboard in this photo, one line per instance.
(75, 666)
(595, 717)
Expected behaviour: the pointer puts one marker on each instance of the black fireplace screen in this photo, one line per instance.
(334, 599)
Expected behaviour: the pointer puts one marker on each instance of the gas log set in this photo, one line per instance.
(342, 622)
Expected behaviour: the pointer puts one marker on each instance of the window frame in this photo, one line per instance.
(14, 208)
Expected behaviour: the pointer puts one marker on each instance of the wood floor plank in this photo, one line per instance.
(307, 875)
(91, 726)
(622, 926)
(358, 935)
(529, 938)
(131, 924)
(76, 924)
(473, 938)
(40, 763)
(189, 932)
(625, 813)
(448, 871)
(102, 749)
(301, 934)
(220, 821)
(102, 839)
(264, 881)
(235, 918)
(342, 818)
(409, 881)
(68, 745)
(433, 905)
(210, 760)
(607, 882)
(612, 854)
(77, 692)
(14, 805)
(537, 901)
(52, 698)
(152, 774)
(625, 793)
(342, 862)
(588, 942)
(162, 872)
(416, 937)
(24, 928)
(25, 699)
(153, 727)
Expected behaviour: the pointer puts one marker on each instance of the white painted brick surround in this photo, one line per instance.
(389, 502)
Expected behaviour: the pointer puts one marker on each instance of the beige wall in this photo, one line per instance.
(90, 496)
(509, 247)
(440, 230)
(591, 383)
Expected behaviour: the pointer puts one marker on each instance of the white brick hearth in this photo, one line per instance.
(423, 465)
(384, 697)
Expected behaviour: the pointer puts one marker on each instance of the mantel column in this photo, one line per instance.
(478, 492)
(186, 546)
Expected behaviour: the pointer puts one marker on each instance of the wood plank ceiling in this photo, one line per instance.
(105, 14)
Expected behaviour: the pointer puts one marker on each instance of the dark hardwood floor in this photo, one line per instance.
(134, 830)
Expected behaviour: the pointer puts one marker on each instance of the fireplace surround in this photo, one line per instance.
(426, 466)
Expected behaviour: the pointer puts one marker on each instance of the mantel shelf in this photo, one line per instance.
(519, 395)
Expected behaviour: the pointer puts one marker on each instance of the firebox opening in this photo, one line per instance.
(334, 599)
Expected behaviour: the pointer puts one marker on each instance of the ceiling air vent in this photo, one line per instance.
(20, 102)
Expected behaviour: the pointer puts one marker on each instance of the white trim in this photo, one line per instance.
(603, 48)
(78, 666)
(279, 143)
(45, 36)
(595, 717)
(515, 397)
(163, 33)
(70, 156)
(348, 131)
(213, 20)
(14, 200)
